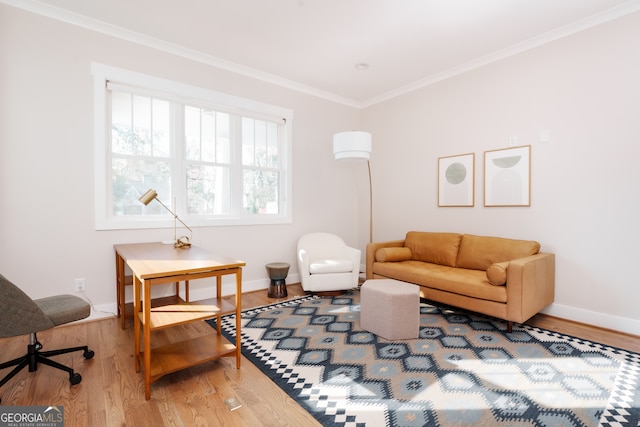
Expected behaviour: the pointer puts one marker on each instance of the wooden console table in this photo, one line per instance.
(155, 264)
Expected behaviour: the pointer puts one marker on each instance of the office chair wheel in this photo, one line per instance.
(88, 354)
(75, 379)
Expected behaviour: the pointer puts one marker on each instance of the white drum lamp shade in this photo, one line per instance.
(352, 145)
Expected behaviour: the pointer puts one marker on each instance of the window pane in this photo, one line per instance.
(131, 178)
(259, 143)
(260, 127)
(272, 145)
(248, 142)
(121, 123)
(130, 129)
(161, 126)
(192, 132)
(223, 138)
(208, 136)
(140, 125)
(208, 190)
(260, 192)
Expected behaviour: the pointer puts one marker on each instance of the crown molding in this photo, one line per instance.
(548, 37)
(98, 26)
(92, 24)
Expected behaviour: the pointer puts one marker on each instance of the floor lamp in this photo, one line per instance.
(356, 146)
(182, 242)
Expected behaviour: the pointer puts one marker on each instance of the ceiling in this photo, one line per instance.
(314, 45)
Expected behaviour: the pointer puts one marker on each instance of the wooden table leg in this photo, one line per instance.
(136, 321)
(120, 290)
(238, 316)
(146, 324)
(219, 295)
(118, 284)
(186, 290)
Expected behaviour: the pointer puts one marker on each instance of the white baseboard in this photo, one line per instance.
(602, 320)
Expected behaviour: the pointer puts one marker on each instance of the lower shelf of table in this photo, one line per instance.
(167, 316)
(156, 302)
(181, 355)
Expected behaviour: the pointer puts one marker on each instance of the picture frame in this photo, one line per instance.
(456, 180)
(507, 177)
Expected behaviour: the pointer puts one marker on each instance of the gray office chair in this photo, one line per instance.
(20, 315)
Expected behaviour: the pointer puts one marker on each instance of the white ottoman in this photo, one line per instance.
(390, 308)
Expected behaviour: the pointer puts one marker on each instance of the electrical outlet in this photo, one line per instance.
(80, 285)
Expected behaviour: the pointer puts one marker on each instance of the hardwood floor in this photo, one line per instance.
(112, 393)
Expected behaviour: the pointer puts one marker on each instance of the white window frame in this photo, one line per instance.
(104, 220)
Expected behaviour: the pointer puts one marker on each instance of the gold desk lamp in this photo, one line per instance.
(182, 242)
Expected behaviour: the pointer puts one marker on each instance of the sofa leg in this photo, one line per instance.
(509, 326)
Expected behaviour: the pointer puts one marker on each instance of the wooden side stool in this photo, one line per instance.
(277, 273)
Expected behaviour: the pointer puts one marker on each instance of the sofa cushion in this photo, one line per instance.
(393, 254)
(479, 252)
(471, 283)
(330, 266)
(437, 248)
(497, 273)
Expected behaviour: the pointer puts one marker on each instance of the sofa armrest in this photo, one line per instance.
(371, 253)
(530, 285)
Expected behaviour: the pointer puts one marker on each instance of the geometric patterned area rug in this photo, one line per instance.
(464, 369)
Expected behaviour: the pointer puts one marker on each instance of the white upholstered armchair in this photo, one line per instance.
(326, 264)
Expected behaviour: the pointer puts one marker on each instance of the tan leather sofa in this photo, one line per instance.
(504, 278)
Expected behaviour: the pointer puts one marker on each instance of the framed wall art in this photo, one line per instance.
(507, 177)
(456, 180)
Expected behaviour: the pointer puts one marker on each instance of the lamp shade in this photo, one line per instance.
(352, 145)
(147, 197)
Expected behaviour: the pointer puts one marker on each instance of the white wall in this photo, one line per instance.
(584, 88)
(46, 150)
(585, 182)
